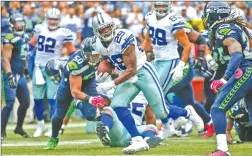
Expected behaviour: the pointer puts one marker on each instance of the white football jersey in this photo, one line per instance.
(50, 43)
(138, 107)
(162, 34)
(123, 38)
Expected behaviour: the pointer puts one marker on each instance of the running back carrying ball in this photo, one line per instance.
(105, 67)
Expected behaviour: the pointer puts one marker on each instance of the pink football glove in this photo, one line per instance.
(217, 84)
(97, 101)
(238, 73)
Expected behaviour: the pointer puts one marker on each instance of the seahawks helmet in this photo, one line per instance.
(92, 56)
(162, 11)
(53, 18)
(103, 27)
(215, 11)
(17, 24)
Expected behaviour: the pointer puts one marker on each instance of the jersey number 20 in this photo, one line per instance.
(158, 36)
(46, 44)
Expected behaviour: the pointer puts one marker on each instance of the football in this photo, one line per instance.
(105, 66)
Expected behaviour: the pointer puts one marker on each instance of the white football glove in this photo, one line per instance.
(211, 63)
(178, 71)
(102, 77)
(105, 86)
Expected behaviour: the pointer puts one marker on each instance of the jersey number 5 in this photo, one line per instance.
(158, 36)
(46, 44)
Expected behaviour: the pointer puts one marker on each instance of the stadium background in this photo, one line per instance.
(77, 16)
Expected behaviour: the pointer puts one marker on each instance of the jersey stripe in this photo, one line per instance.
(128, 42)
(77, 72)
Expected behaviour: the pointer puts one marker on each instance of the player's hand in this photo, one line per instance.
(198, 63)
(211, 63)
(11, 80)
(102, 77)
(217, 84)
(178, 71)
(105, 86)
(97, 101)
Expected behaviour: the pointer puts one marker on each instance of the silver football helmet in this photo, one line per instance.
(162, 8)
(103, 27)
(53, 17)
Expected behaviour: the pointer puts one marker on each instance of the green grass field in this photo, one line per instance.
(76, 142)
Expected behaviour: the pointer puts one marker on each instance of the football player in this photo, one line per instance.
(77, 82)
(13, 78)
(230, 39)
(119, 47)
(165, 31)
(50, 39)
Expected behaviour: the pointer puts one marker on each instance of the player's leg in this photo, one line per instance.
(38, 94)
(232, 91)
(148, 132)
(23, 96)
(63, 101)
(248, 102)
(9, 96)
(163, 69)
(51, 89)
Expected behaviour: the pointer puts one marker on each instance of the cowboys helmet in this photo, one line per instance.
(52, 18)
(162, 11)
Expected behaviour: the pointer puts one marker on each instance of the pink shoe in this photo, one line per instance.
(219, 153)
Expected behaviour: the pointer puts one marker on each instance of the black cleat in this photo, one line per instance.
(21, 132)
(102, 134)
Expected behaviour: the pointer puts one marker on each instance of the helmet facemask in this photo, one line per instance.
(93, 59)
(106, 32)
(19, 27)
(52, 23)
(162, 9)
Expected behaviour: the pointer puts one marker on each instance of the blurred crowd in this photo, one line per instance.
(77, 16)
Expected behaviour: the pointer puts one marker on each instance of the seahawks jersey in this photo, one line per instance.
(239, 114)
(78, 66)
(19, 52)
(220, 53)
(123, 38)
(50, 43)
(138, 107)
(162, 33)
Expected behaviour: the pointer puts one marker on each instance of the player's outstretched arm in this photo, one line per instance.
(70, 47)
(75, 87)
(129, 59)
(146, 45)
(183, 40)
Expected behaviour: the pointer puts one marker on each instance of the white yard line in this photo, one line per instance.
(70, 125)
(42, 143)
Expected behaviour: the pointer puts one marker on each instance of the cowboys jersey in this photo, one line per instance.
(123, 38)
(50, 43)
(162, 33)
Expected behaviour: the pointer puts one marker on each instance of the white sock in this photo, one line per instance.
(210, 122)
(169, 125)
(222, 142)
(63, 126)
(41, 122)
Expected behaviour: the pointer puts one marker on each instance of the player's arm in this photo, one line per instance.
(229, 128)
(149, 116)
(70, 47)
(183, 40)
(235, 50)
(147, 46)
(75, 87)
(129, 59)
(6, 57)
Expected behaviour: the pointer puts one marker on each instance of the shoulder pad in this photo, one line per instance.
(9, 36)
(148, 15)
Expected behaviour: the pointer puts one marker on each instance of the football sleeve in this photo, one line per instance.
(178, 23)
(67, 35)
(127, 40)
(226, 31)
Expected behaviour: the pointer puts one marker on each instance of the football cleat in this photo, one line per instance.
(209, 131)
(21, 132)
(102, 133)
(138, 144)
(52, 143)
(219, 153)
(39, 131)
(153, 141)
(167, 130)
(195, 118)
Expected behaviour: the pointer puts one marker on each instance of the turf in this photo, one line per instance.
(76, 142)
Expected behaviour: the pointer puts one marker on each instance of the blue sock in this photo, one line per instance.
(219, 120)
(5, 117)
(176, 112)
(107, 120)
(39, 109)
(127, 120)
(52, 103)
(148, 133)
(202, 112)
(165, 120)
